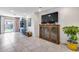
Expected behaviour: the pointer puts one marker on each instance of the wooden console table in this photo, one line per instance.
(50, 32)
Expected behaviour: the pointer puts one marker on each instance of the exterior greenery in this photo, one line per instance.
(72, 32)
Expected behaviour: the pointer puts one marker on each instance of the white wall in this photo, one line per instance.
(37, 20)
(67, 16)
(35, 24)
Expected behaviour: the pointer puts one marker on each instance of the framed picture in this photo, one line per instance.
(29, 22)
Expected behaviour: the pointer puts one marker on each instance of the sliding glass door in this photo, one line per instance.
(9, 26)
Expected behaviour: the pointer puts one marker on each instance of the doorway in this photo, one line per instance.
(9, 26)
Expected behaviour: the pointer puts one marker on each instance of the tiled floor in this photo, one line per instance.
(16, 42)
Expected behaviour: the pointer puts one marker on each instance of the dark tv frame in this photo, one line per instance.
(47, 20)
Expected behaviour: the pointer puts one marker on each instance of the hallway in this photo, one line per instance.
(16, 42)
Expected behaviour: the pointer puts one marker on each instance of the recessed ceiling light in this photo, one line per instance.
(40, 9)
(27, 16)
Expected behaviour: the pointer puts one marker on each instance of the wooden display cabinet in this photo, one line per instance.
(50, 32)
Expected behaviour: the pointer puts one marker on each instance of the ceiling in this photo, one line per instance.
(20, 11)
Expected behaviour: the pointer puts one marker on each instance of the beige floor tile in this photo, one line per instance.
(17, 42)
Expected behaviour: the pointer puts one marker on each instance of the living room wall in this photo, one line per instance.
(67, 16)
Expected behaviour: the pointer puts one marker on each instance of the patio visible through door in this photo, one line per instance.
(9, 26)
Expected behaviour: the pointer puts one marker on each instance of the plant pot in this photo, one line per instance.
(72, 46)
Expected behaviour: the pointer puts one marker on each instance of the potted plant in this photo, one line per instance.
(72, 32)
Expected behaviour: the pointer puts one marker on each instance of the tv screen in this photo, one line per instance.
(50, 18)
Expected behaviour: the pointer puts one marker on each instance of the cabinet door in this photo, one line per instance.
(54, 34)
(44, 32)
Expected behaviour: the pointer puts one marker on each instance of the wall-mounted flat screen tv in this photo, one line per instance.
(50, 18)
